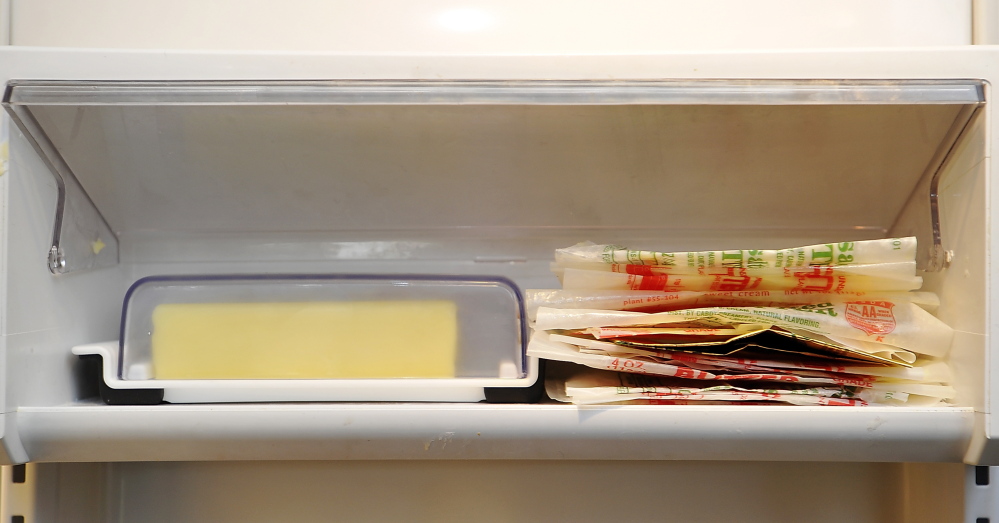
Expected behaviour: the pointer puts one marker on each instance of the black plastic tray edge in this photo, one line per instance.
(121, 396)
(531, 394)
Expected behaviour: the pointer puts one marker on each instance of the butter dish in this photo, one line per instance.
(339, 337)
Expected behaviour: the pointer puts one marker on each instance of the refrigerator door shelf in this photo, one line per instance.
(278, 390)
(212, 163)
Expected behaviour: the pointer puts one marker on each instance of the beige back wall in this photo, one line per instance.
(511, 26)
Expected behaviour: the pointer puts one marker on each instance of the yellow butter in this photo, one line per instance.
(302, 340)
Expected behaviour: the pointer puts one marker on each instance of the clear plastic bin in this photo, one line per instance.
(320, 337)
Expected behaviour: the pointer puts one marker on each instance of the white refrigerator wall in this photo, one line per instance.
(513, 26)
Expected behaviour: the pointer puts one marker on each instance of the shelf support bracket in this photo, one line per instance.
(81, 237)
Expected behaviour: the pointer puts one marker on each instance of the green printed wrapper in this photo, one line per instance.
(893, 270)
(844, 253)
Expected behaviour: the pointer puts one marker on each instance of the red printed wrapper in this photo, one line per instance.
(931, 372)
(588, 388)
(870, 321)
(542, 347)
(809, 279)
(660, 301)
(553, 348)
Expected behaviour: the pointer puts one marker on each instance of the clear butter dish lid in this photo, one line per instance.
(322, 327)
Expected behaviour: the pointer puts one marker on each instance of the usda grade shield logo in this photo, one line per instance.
(872, 317)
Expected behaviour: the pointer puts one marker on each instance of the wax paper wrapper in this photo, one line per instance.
(659, 301)
(590, 387)
(898, 277)
(895, 323)
(713, 368)
(889, 250)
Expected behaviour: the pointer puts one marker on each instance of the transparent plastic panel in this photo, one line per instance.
(81, 237)
(727, 92)
(322, 327)
(921, 216)
(371, 170)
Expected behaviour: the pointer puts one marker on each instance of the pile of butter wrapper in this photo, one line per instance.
(829, 324)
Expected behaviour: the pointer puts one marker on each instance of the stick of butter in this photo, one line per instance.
(303, 340)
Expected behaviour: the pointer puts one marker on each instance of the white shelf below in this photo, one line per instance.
(97, 432)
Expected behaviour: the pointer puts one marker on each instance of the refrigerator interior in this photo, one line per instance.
(463, 187)
(211, 180)
(690, 491)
